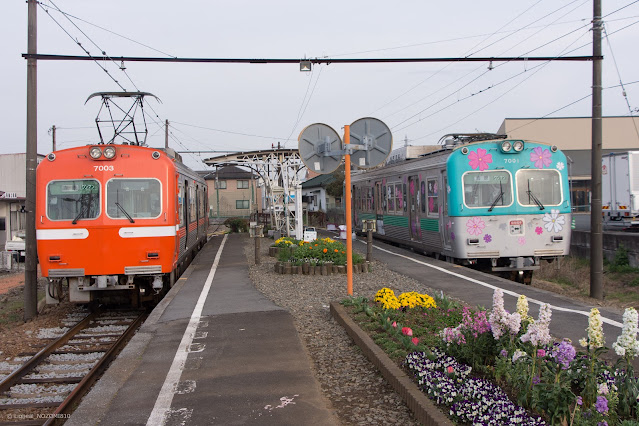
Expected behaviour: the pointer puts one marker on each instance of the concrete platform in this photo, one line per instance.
(214, 351)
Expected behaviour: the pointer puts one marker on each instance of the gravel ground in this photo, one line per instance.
(357, 392)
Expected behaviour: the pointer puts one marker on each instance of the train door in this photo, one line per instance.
(198, 198)
(413, 208)
(186, 211)
(444, 219)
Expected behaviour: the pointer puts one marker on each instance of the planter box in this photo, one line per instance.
(326, 269)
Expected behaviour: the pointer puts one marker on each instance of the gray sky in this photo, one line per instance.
(243, 107)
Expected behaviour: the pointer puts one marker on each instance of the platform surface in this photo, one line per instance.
(214, 351)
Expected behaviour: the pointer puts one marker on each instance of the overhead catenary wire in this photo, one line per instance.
(623, 89)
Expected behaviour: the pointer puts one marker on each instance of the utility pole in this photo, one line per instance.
(596, 237)
(31, 260)
(166, 134)
(52, 130)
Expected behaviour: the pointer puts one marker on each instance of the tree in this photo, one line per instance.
(336, 187)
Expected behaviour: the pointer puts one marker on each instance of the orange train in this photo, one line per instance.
(117, 223)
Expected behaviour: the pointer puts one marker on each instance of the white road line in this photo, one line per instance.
(165, 398)
(512, 293)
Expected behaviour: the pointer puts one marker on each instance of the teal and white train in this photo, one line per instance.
(501, 205)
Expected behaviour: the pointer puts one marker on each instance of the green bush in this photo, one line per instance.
(237, 224)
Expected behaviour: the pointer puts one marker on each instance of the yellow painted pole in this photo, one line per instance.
(349, 226)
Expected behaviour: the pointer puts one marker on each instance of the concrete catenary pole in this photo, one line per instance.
(31, 258)
(596, 237)
(166, 134)
(53, 138)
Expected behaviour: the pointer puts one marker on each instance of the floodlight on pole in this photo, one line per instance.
(305, 66)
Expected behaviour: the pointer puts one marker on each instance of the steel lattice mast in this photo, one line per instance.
(280, 171)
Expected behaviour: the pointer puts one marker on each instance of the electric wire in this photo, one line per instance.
(300, 116)
(476, 69)
(531, 74)
(68, 15)
(623, 89)
(81, 47)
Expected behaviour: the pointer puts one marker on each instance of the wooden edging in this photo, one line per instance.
(424, 410)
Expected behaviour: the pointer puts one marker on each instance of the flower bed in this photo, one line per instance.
(320, 257)
(496, 367)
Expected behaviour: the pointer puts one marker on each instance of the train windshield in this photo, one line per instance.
(73, 199)
(491, 189)
(133, 199)
(539, 188)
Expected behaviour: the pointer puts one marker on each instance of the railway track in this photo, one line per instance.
(43, 390)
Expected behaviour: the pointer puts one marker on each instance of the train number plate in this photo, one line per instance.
(516, 227)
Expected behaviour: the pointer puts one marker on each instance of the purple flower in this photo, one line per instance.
(503, 352)
(488, 238)
(602, 404)
(564, 354)
(541, 353)
(603, 423)
(580, 401)
(541, 157)
(537, 380)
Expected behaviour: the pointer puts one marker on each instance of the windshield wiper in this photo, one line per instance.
(125, 213)
(499, 197)
(531, 195)
(83, 208)
(74, 221)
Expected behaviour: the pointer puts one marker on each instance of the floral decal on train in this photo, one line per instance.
(475, 226)
(560, 165)
(541, 157)
(488, 238)
(539, 230)
(479, 159)
(553, 221)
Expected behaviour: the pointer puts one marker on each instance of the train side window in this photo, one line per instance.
(483, 189)
(399, 198)
(422, 195)
(391, 198)
(73, 199)
(433, 197)
(539, 185)
(135, 198)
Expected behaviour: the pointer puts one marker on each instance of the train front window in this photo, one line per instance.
(539, 188)
(133, 198)
(73, 199)
(490, 189)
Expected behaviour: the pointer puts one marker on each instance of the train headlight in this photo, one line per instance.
(506, 146)
(518, 146)
(155, 155)
(553, 148)
(51, 157)
(109, 152)
(95, 152)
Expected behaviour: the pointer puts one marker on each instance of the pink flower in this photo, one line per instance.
(539, 230)
(449, 369)
(406, 331)
(395, 324)
(541, 353)
(475, 226)
(480, 159)
(541, 157)
(415, 341)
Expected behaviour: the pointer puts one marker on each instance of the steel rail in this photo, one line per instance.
(88, 380)
(15, 376)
